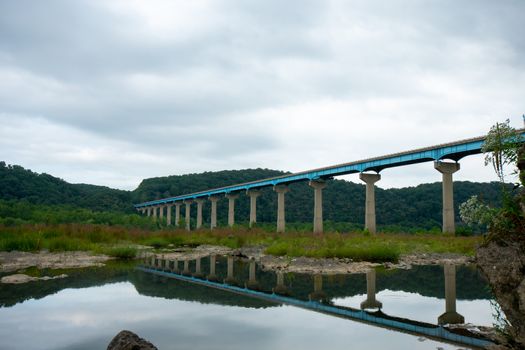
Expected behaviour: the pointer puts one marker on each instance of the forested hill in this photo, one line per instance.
(18, 183)
(344, 201)
(162, 187)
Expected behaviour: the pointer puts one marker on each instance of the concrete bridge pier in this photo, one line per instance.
(371, 302)
(199, 202)
(230, 279)
(161, 212)
(318, 293)
(186, 270)
(168, 214)
(447, 169)
(149, 211)
(231, 208)
(318, 187)
(252, 278)
(280, 287)
(188, 214)
(175, 266)
(370, 202)
(451, 316)
(213, 216)
(198, 272)
(253, 194)
(281, 218)
(154, 213)
(177, 214)
(212, 276)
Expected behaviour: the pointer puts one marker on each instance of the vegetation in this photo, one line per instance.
(39, 211)
(17, 183)
(40, 198)
(122, 242)
(503, 149)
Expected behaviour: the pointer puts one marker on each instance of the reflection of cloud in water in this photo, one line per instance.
(421, 308)
(88, 318)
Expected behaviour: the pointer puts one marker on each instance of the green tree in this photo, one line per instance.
(501, 147)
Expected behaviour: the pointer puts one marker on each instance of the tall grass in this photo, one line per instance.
(358, 246)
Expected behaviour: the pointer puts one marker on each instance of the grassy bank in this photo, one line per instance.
(118, 241)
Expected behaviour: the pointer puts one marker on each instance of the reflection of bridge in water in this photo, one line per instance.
(240, 283)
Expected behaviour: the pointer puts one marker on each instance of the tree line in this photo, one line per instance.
(416, 207)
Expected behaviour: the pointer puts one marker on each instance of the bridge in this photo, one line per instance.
(368, 170)
(370, 309)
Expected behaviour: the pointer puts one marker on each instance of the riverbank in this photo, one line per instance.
(123, 242)
(17, 261)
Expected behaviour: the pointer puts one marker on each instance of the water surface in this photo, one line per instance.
(85, 310)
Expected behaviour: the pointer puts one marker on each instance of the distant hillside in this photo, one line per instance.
(18, 183)
(418, 206)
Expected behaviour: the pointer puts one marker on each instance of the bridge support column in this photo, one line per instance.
(318, 204)
(280, 288)
(212, 276)
(450, 316)
(177, 214)
(213, 216)
(370, 202)
(168, 214)
(175, 266)
(252, 279)
(447, 169)
(188, 214)
(231, 208)
(154, 209)
(186, 269)
(149, 211)
(253, 194)
(318, 293)
(198, 272)
(199, 212)
(161, 212)
(230, 279)
(371, 302)
(281, 215)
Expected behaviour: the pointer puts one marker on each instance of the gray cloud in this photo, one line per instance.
(232, 84)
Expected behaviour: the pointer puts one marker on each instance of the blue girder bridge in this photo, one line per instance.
(452, 151)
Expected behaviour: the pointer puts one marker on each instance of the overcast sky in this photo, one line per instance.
(111, 92)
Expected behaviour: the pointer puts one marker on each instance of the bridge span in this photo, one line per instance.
(369, 172)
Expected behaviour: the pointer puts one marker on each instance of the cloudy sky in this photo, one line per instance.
(111, 92)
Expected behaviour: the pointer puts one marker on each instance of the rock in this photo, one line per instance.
(127, 340)
(18, 279)
(21, 278)
(503, 264)
(13, 261)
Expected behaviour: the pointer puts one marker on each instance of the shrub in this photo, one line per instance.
(157, 242)
(122, 252)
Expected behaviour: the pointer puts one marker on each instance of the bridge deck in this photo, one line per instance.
(452, 150)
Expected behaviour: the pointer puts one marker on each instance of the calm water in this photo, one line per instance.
(85, 310)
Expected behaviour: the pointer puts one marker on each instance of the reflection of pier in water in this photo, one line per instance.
(280, 293)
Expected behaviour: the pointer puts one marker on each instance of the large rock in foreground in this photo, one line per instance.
(127, 340)
(503, 263)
